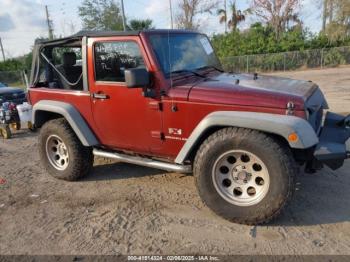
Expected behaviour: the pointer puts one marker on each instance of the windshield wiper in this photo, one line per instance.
(187, 71)
(210, 67)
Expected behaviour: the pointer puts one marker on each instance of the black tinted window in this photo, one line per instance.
(112, 58)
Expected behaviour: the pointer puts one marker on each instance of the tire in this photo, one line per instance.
(244, 176)
(31, 127)
(6, 132)
(16, 126)
(61, 152)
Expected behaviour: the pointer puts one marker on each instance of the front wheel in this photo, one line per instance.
(61, 152)
(244, 176)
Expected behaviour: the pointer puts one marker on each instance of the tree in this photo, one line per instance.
(101, 15)
(338, 27)
(139, 24)
(190, 9)
(277, 13)
(237, 16)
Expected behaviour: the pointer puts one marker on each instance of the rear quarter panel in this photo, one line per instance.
(79, 99)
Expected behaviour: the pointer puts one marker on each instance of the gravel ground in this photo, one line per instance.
(126, 209)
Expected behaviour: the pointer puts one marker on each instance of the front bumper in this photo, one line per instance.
(332, 149)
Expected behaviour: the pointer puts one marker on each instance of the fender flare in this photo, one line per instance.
(282, 125)
(71, 114)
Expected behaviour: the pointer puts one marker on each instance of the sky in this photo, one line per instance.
(21, 21)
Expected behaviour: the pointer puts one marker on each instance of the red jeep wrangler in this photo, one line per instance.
(160, 99)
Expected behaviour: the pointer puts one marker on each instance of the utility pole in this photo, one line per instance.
(123, 14)
(171, 15)
(225, 17)
(325, 14)
(2, 50)
(49, 25)
(331, 10)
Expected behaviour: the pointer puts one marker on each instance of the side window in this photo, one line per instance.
(112, 58)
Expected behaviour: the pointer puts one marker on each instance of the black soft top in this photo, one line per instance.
(76, 41)
(85, 33)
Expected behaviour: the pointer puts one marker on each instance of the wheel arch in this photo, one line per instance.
(46, 110)
(278, 126)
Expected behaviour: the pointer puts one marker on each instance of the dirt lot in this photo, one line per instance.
(125, 209)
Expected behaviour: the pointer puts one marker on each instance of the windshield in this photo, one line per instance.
(2, 85)
(183, 52)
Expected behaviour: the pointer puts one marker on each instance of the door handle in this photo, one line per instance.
(100, 96)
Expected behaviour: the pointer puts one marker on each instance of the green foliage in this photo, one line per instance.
(140, 24)
(19, 63)
(261, 39)
(233, 47)
(333, 58)
(101, 15)
(11, 65)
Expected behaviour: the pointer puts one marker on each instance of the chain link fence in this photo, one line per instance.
(296, 60)
(14, 78)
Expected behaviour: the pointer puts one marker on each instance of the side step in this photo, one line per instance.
(144, 161)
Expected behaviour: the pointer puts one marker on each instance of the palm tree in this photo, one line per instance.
(237, 16)
(223, 17)
(140, 24)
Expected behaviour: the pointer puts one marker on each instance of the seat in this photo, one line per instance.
(71, 77)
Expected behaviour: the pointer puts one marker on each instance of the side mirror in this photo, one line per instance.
(136, 77)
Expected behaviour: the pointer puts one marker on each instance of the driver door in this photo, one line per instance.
(124, 118)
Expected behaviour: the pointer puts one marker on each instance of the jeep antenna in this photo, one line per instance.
(170, 74)
(169, 54)
(171, 15)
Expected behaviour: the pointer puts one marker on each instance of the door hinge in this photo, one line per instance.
(156, 105)
(158, 134)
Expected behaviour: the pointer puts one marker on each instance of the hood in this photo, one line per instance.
(10, 90)
(243, 89)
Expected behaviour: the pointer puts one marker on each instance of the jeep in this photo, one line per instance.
(160, 99)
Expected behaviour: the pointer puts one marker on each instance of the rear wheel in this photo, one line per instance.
(244, 175)
(62, 153)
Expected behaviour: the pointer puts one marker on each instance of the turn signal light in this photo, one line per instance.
(293, 137)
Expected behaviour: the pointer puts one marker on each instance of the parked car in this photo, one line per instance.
(11, 94)
(159, 98)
